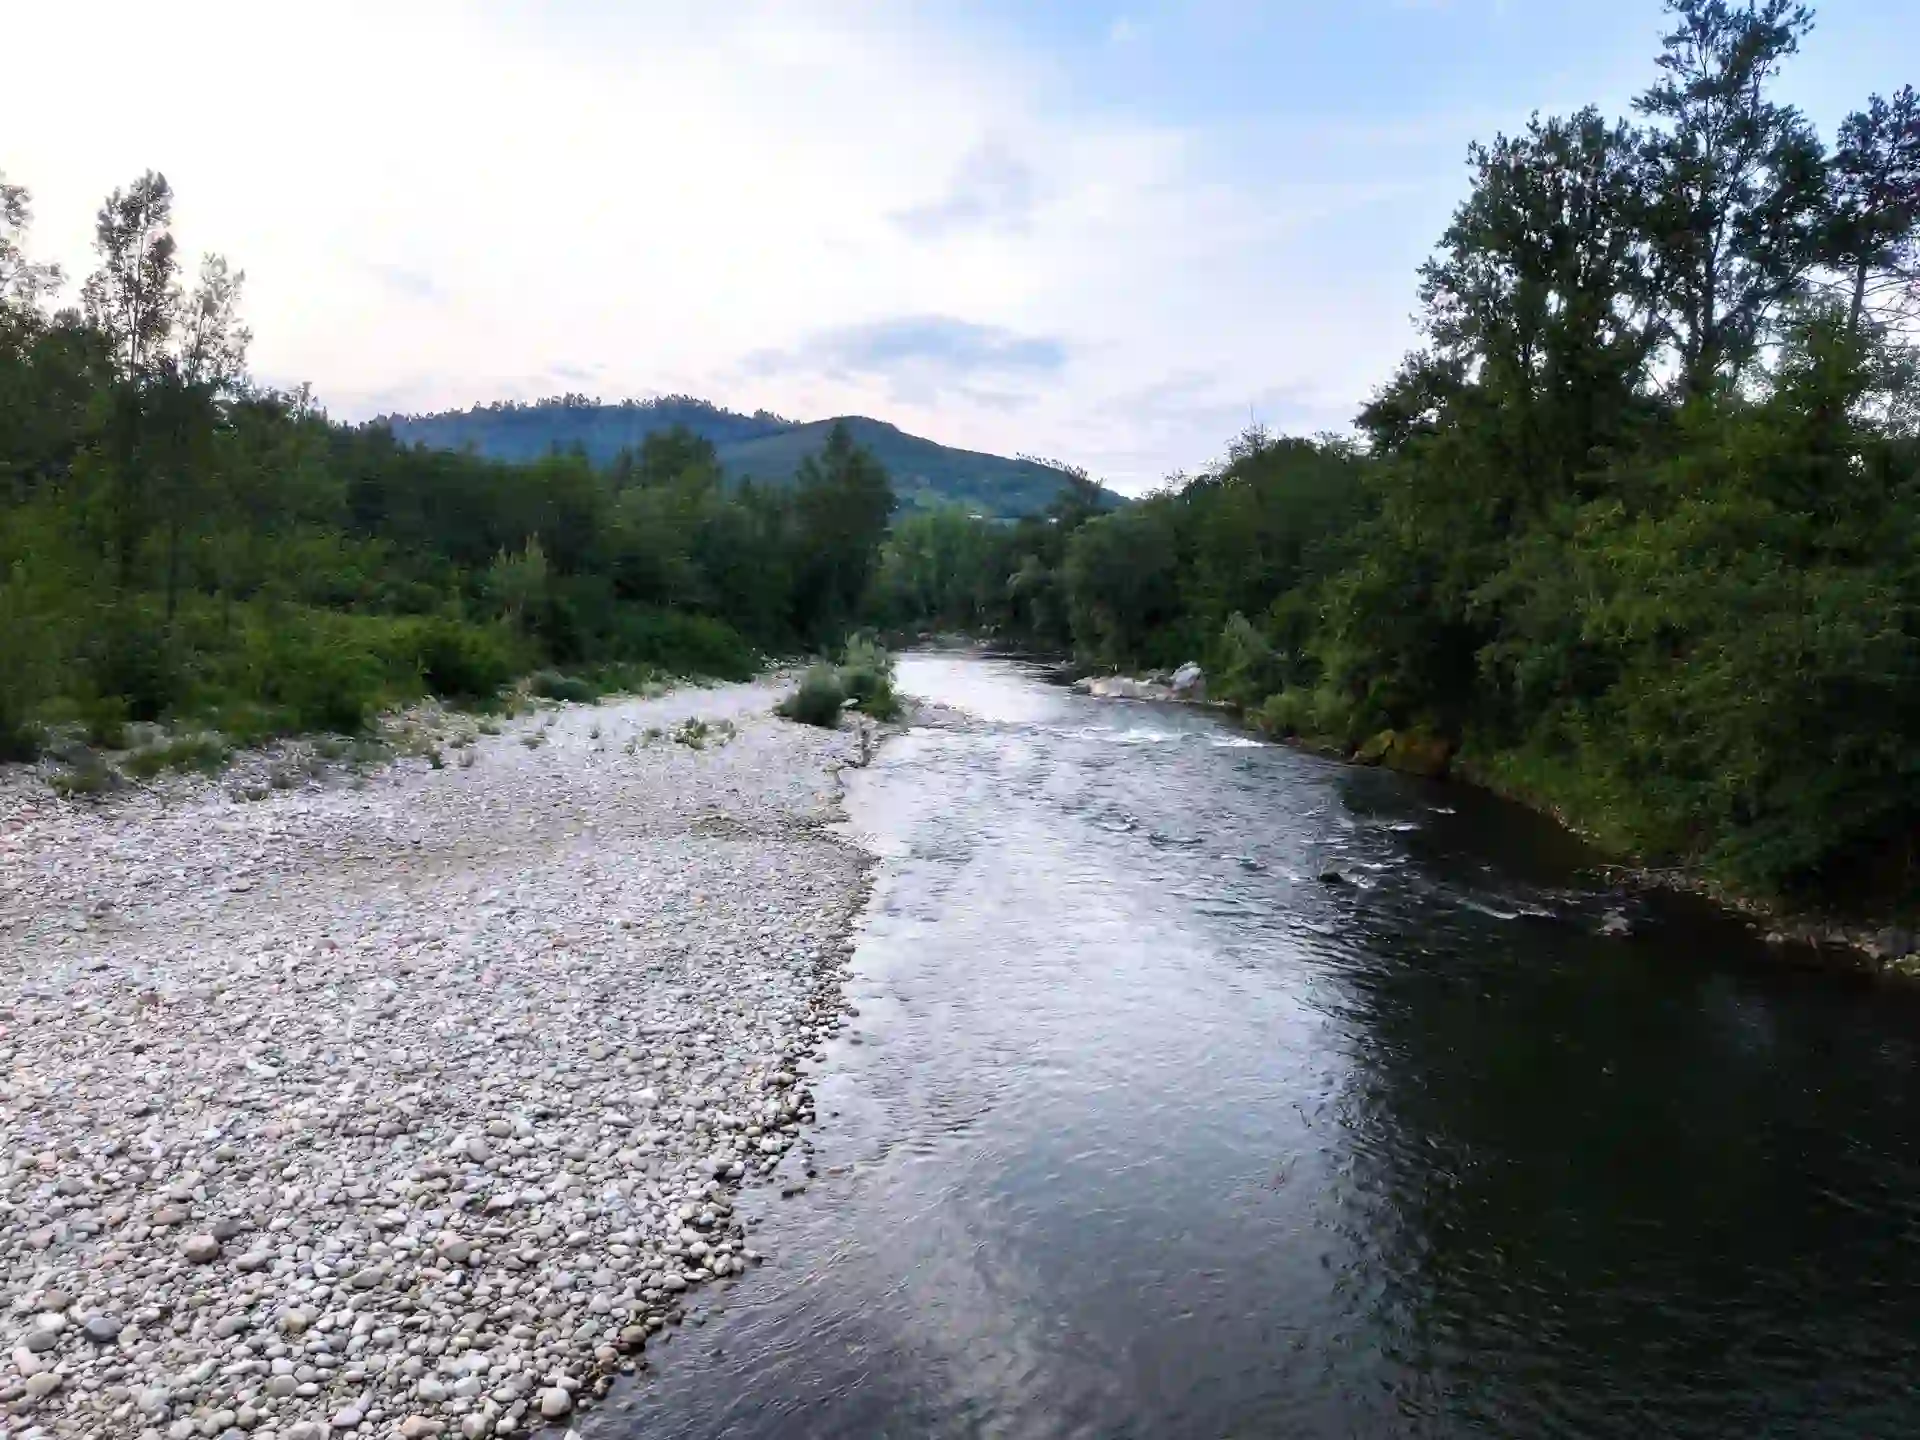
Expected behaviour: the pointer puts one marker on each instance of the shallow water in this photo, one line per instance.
(1143, 1130)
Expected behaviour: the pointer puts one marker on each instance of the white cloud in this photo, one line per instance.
(438, 202)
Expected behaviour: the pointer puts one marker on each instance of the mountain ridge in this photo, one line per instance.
(762, 447)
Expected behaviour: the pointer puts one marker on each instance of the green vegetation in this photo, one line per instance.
(862, 680)
(761, 448)
(1633, 533)
(818, 700)
(182, 546)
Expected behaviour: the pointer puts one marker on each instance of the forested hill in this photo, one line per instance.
(762, 446)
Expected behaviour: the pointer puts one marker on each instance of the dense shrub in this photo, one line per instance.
(552, 685)
(866, 675)
(459, 661)
(818, 700)
(681, 643)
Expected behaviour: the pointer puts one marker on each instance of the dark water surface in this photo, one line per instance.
(1142, 1130)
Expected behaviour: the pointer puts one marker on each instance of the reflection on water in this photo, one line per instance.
(1143, 1130)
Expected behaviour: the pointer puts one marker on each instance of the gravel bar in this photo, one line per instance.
(409, 1102)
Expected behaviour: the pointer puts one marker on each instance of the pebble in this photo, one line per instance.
(381, 1105)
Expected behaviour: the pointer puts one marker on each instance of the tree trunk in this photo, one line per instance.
(1859, 305)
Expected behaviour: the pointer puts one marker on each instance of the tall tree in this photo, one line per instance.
(1734, 183)
(1538, 292)
(213, 341)
(1875, 179)
(842, 499)
(22, 282)
(133, 297)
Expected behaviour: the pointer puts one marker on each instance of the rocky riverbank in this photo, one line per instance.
(408, 1102)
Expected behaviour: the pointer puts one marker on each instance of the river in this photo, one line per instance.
(1142, 1128)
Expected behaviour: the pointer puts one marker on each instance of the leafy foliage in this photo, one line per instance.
(1633, 530)
(178, 545)
(818, 700)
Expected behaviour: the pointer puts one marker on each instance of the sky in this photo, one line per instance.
(1109, 233)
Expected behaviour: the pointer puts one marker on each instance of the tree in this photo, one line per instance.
(133, 297)
(213, 342)
(1538, 293)
(1734, 183)
(22, 282)
(842, 499)
(1875, 179)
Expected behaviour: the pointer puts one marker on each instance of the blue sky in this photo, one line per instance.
(1107, 233)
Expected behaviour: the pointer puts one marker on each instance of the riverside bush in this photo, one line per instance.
(866, 675)
(819, 699)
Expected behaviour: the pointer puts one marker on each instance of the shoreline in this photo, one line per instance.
(414, 1104)
(1873, 948)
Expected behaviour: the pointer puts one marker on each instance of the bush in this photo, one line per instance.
(205, 753)
(461, 662)
(552, 685)
(320, 676)
(819, 699)
(683, 644)
(866, 675)
(132, 662)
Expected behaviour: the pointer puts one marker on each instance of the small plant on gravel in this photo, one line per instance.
(283, 777)
(205, 753)
(534, 739)
(818, 701)
(552, 685)
(436, 759)
(697, 734)
(594, 733)
(652, 735)
(87, 774)
(489, 727)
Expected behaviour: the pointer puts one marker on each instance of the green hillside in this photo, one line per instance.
(763, 447)
(926, 475)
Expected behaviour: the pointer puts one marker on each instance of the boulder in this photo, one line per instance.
(1411, 752)
(1189, 682)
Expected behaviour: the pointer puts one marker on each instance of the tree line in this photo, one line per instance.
(1633, 532)
(181, 544)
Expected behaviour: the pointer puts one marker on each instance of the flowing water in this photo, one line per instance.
(1145, 1129)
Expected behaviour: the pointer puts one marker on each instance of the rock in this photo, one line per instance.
(201, 1249)
(1616, 925)
(40, 1339)
(555, 1402)
(349, 1418)
(101, 1329)
(1891, 944)
(1411, 752)
(431, 1391)
(1189, 682)
(1121, 687)
(418, 1427)
(1333, 877)
(44, 1384)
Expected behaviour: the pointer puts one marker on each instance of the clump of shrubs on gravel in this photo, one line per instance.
(863, 681)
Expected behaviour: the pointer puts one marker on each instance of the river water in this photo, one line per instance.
(1143, 1129)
